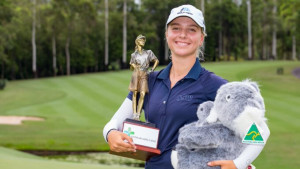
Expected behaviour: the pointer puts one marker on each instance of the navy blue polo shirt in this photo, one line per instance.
(171, 108)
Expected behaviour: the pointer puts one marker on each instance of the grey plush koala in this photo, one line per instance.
(219, 137)
(202, 113)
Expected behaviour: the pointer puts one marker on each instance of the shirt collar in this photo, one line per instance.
(193, 73)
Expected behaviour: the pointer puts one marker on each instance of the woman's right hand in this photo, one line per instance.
(120, 142)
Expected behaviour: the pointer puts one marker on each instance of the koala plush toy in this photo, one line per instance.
(221, 127)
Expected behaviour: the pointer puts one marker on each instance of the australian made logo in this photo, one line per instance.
(253, 136)
(185, 10)
(128, 132)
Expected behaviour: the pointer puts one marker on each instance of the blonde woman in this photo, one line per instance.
(175, 93)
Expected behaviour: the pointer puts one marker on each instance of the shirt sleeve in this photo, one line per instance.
(132, 59)
(116, 122)
(151, 55)
(252, 151)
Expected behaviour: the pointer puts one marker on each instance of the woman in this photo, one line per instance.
(175, 92)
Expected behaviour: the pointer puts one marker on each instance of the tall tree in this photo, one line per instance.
(34, 70)
(5, 35)
(203, 6)
(106, 35)
(220, 34)
(274, 32)
(289, 12)
(124, 58)
(249, 30)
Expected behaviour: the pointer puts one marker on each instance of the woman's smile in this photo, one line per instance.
(182, 44)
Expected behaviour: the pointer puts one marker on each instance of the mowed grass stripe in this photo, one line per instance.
(71, 109)
(103, 92)
(101, 100)
(112, 84)
(115, 94)
(91, 101)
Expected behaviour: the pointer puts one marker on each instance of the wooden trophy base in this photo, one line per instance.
(143, 152)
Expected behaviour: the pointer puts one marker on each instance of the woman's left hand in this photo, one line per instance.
(224, 164)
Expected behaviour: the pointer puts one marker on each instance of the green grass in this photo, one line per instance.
(76, 108)
(11, 159)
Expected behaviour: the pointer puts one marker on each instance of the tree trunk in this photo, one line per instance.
(264, 45)
(54, 54)
(166, 51)
(220, 37)
(200, 4)
(274, 33)
(203, 45)
(106, 36)
(68, 55)
(220, 44)
(124, 58)
(33, 39)
(2, 69)
(294, 48)
(249, 30)
(203, 6)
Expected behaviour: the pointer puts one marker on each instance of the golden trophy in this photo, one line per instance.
(143, 134)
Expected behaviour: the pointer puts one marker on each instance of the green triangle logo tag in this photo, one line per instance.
(253, 136)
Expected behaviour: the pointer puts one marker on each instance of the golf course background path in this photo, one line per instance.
(296, 72)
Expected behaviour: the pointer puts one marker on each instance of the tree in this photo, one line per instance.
(274, 33)
(106, 35)
(5, 17)
(34, 70)
(124, 58)
(249, 30)
(289, 12)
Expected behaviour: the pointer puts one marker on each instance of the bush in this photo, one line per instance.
(2, 84)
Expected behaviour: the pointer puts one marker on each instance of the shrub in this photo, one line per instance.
(2, 84)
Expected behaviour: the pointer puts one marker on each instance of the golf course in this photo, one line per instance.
(76, 108)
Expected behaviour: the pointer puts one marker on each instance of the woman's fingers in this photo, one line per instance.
(120, 142)
(128, 139)
(225, 164)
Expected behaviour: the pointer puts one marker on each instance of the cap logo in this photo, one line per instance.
(185, 10)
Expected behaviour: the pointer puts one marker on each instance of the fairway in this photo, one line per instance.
(11, 159)
(76, 108)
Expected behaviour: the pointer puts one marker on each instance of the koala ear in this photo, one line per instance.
(253, 84)
(228, 97)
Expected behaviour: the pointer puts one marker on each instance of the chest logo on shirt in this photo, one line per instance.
(184, 98)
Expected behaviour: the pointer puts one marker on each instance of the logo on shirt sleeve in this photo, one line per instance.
(253, 136)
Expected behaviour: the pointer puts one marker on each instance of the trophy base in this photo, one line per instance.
(141, 123)
(142, 153)
(144, 149)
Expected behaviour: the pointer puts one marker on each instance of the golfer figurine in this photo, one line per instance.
(139, 63)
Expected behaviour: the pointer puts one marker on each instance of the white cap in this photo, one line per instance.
(189, 11)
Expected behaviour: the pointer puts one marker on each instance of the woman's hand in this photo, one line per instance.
(120, 142)
(224, 164)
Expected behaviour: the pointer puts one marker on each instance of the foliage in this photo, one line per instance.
(2, 84)
(77, 27)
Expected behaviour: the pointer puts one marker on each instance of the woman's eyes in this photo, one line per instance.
(175, 28)
(189, 29)
(192, 30)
